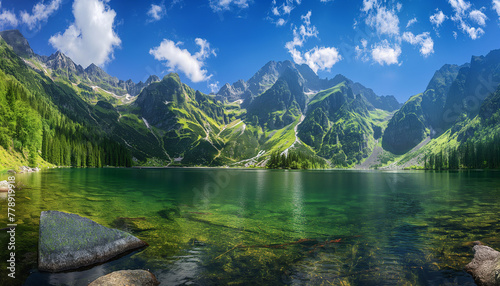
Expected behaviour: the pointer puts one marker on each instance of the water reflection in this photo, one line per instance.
(394, 227)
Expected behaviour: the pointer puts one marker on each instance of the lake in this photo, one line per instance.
(270, 227)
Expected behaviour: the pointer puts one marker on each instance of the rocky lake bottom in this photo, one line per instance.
(247, 226)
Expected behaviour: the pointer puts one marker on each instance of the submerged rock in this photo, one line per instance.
(485, 267)
(69, 241)
(127, 277)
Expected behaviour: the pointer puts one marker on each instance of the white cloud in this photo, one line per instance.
(424, 40)
(205, 50)
(301, 34)
(279, 13)
(496, 6)
(91, 38)
(461, 8)
(40, 13)
(156, 12)
(411, 22)
(384, 21)
(182, 60)
(384, 53)
(438, 18)
(214, 87)
(7, 18)
(455, 34)
(362, 52)
(322, 58)
(399, 6)
(317, 58)
(474, 33)
(224, 5)
(369, 5)
(478, 17)
(326, 1)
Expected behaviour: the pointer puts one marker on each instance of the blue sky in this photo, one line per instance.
(393, 47)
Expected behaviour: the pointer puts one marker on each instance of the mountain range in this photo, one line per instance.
(283, 107)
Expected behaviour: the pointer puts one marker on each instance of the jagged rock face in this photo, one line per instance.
(287, 95)
(154, 101)
(69, 241)
(473, 84)
(406, 128)
(61, 63)
(336, 124)
(268, 75)
(19, 44)
(231, 93)
(453, 93)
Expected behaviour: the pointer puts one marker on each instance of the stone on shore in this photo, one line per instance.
(127, 277)
(4, 186)
(485, 267)
(69, 241)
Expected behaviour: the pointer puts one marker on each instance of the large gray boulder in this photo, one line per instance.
(485, 267)
(127, 277)
(69, 241)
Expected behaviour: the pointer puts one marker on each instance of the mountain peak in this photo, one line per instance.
(18, 42)
(93, 68)
(152, 79)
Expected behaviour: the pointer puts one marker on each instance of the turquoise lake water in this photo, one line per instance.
(263, 227)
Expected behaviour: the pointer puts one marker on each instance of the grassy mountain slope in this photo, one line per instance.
(338, 126)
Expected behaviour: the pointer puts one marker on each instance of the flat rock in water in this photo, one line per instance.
(69, 241)
(127, 277)
(485, 267)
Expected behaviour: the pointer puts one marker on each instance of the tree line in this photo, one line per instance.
(471, 154)
(295, 160)
(32, 125)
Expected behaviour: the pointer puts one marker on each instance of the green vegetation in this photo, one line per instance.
(34, 125)
(295, 160)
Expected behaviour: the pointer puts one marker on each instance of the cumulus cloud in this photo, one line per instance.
(317, 58)
(7, 18)
(225, 5)
(156, 12)
(411, 22)
(424, 40)
(368, 5)
(178, 59)
(461, 9)
(40, 13)
(438, 18)
(323, 58)
(460, 6)
(384, 21)
(478, 17)
(91, 38)
(384, 53)
(496, 6)
(474, 33)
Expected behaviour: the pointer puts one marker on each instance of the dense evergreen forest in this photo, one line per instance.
(32, 125)
(295, 160)
(469, 155)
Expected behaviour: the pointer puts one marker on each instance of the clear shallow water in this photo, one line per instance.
(212, 226)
